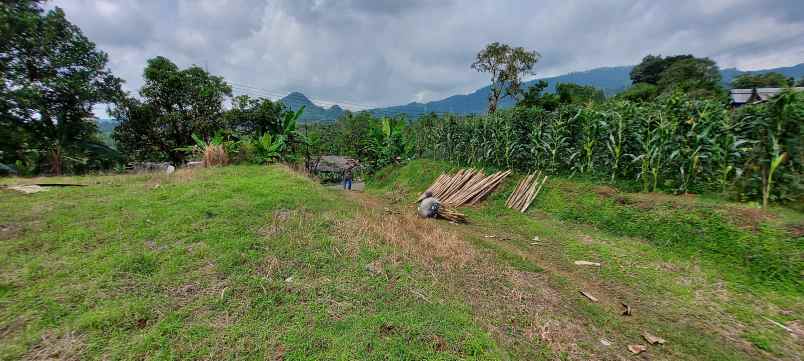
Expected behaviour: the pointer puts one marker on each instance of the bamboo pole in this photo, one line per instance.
(523, 186)
(515, 193)
(490, 188)
(533, 196)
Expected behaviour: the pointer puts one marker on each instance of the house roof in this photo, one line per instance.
(742, 96)
(336, 163)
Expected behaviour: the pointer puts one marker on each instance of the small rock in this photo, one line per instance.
(605, 342)
(28, 189)
(289, 279)
(195, 164)
(653, 340)
(170, 169)
(375, 267)
(637, 349)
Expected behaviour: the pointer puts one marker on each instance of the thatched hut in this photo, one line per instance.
(331, 167)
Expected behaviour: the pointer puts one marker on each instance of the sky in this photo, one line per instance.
(366, 53)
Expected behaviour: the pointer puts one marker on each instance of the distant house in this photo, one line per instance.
(741, 97)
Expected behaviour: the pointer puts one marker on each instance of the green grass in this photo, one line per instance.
(696, 273)
(241, 262)
(768, 257)
(250, 262)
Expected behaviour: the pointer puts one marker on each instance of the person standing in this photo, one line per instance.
(347, 178)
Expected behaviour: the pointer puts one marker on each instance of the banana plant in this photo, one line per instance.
(268, 148)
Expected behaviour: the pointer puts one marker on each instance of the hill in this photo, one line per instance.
(611, 80)
(312, 112)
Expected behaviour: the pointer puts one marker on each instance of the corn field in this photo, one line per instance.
(674, 144)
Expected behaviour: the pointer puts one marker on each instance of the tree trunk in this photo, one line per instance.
(56, 161)
(494, 97)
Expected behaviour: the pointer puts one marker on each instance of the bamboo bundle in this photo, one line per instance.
(465, 186)
(451, 215)
(526, 191)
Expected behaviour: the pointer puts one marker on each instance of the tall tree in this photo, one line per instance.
(695, 76)
(506, 65)
(52, 77)
(175, 105)
(255, 115)
(652, 66)
(767, 80)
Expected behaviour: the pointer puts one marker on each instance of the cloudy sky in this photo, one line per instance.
(385, 52)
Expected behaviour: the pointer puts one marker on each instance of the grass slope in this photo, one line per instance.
(705, 274)
(241, 262)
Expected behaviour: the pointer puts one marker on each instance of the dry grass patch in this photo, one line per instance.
(66, 347)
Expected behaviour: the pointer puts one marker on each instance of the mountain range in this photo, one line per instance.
(611, 80)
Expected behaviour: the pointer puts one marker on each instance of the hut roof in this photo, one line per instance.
(336, 163)
(742, 96)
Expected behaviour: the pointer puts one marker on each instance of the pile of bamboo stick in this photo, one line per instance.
(526, 191)
(450, 214)
(467, 186)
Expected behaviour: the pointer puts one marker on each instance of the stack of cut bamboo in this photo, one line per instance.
(526, 191)
(466, 186)
(451, 214)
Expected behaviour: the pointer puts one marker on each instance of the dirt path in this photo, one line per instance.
(529, 298)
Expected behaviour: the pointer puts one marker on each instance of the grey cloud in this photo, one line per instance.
(384, 52)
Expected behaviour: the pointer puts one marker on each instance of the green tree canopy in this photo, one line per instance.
(767, 80)
(694, 76)
(535, 97)
(506, 65)
(52, 77)
(640, 92)
(255, 115)
(652, 66)
(570, 93)
(176, 103)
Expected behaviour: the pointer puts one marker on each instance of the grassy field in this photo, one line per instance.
(710, 276)
(249, 262)
(219, 264)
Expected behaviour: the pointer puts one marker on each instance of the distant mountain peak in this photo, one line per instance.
(611, 79)
(296, 99)
(312, 112)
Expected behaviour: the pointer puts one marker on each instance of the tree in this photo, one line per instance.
(640, 92)
(767, 80)
(176, 104)
(800, 82)
(570, 93)
(535, 97)
(695, 76)
(255, 115)
(52, 77)
(507, 65)
(652, 66)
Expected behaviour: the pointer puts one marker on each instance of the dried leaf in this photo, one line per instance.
(637, 349)
(587, 263)
(653, 340)
(589, 296)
